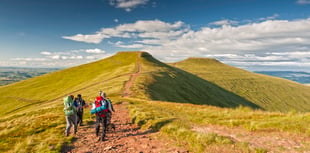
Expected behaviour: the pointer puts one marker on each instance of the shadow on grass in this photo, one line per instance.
(179, 86)
(153, 129)
(67, 146)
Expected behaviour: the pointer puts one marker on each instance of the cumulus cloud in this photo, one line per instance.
(45, 53)
(148, 28)
(266, 42)
(28, 59)
(128, 5)
(303, 2)
(224, 22)
(95, 51)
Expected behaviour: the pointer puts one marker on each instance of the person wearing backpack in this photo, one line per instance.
(70, 112)
(100, 108)
(110, 107)
(79, 103)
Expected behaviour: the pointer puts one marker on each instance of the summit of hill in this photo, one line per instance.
(269, 93)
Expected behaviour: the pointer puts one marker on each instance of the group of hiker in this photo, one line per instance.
(74, 109)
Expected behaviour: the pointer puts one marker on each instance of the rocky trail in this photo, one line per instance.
(127, 137)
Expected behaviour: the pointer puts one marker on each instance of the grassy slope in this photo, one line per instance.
(270, 93)
(31, 113)
(159, 81)
(178, 120)
(32, 120)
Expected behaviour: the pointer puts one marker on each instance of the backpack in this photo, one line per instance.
(101, 107)
(79, 102)
(69, 107)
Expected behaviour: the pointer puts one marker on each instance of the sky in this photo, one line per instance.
(254, 35)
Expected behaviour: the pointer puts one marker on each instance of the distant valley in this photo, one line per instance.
(14, 74)
(300, 77)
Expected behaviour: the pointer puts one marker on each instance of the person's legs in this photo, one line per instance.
(109, 115)
(68, 125)
(97, 125)
(78, 118)
(74, 119)
(81, 117)
(104, 125)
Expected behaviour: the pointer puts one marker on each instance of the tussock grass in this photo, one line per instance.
(177, 121)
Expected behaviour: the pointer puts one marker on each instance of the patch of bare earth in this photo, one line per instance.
(271, 141)
(127, 137)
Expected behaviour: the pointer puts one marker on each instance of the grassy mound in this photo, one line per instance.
(269, 93)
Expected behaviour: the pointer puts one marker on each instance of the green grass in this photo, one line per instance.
(177, 121)
(159, 81)
(32, 118)
(269, 93)
(31, 111)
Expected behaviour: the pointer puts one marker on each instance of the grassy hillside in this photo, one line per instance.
(187, 123)
(269, 93)
(159, 81)
(31, 111)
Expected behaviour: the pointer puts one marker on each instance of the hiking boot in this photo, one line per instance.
(66, 134)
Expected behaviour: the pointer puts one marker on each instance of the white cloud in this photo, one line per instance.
(302, 2)
(224, 22)
(122, 45)
(268, 42)
(95, 51)
(94, 38)
(269, 17)
(28, 59)
(148, 28)
(128, 5)
(45, 53)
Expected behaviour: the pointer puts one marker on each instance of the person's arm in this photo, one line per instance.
(110, 105)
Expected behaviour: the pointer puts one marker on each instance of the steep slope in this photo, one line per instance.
(58, 84)
(31, 111)
(159, 81)
(270, 93)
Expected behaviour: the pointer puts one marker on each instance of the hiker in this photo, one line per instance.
(101, 110)
(70, 112)
(110, 107)
(80, 104)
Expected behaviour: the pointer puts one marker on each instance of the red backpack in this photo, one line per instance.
(99, 102)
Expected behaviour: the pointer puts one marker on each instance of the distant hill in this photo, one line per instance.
(300, 77)
(159, 81)
(270, 93)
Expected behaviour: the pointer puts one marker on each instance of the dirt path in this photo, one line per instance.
(133, 77)
(126, 138)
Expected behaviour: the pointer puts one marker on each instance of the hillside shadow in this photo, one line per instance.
(183, 87)
(153, 129)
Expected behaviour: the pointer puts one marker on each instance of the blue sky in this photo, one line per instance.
(250, 34)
